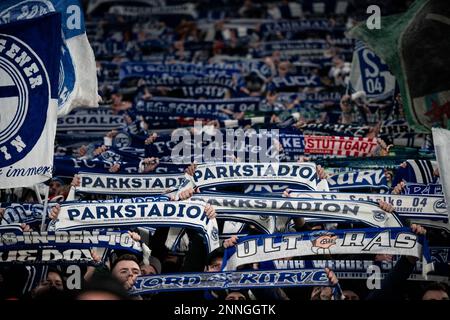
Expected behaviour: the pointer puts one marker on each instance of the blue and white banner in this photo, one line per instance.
(442, 147)
(22, 213)
(425, 189)
(300, 47)
(69, 166)
(393, 241)
(131, 184)
(46, 256)
(215, 146)
(212, 109)
(289, 82)
(335, 129)
(370, 74)
(29, 69)
(416, 171)
(77, 215)
(77, 69)
(375, 179)
(401, 134)
(230, 280)
(407, 206)
(361, 211)
(222, 174)
(268, 28)
(175, 76)
(68, 239)
(95, 5)
(100, 119)
(317, 97)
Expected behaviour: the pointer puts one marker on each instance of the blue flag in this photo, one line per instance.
(29, 70)
(78, 84)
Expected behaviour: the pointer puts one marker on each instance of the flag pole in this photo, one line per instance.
(38, 194)
(44, 213)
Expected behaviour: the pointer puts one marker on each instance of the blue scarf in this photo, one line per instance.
(358, 180)
(229, 280)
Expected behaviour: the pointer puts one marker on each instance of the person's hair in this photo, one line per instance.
(58, 272)
(127, 257)
(435, 286)
(105, 283)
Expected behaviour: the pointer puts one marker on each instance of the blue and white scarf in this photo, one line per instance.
(213, 109)
(214, 175)
(361, 211)
(128, 184)
(425, 189)
(317, 97)
(229, 280)
(407, 206)
(27, 213)
(209, 91)
(90, 120)
(296, 26)
(46, 256)
(77, 215)
(416, 171)
(282, 83)
(334, 129)
(243, 65)
(78, 81)
(358, 180)
(393, 241)
(69, 166)
(69, 240)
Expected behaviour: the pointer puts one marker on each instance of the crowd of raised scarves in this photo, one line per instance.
(352, 186)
